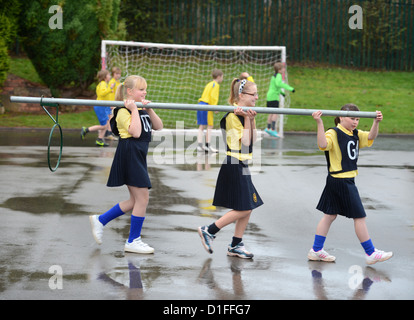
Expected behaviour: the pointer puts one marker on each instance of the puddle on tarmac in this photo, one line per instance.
(41, 204)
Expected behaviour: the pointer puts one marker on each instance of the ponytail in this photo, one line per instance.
(234, 91)
(119, 95)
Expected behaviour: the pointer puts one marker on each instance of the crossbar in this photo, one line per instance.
(179, 106)
(187, 46)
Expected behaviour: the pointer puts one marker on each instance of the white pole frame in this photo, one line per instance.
(178, 106)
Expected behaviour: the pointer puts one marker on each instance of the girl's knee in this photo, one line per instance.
(139, 196)
(330, 217)
(246, 213)
(143, 197)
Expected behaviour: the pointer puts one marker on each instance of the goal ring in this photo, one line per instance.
(53, 169)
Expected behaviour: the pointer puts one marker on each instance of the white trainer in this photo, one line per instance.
(378, 256)
(137, 246)
(97, 228)
(320, 255)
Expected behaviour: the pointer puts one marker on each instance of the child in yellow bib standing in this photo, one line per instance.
(205, 119)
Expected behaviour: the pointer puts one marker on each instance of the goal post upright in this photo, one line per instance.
(282, 98)
(103, 54)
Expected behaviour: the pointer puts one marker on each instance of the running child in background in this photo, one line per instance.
(103, 92)
(234, 187)
(129, 166)
(340, 195)
(273, 96)
(205, 119)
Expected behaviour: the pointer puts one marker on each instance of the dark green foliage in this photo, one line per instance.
(4, 61)
(9, 11)
(69, 56)
(146, 20)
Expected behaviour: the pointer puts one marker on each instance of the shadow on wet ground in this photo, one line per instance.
(48, 251)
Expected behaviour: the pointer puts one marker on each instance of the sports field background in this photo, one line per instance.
(317, 87)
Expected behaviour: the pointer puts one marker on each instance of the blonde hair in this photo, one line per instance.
(238, 86)
(102, 75)
(130, 82)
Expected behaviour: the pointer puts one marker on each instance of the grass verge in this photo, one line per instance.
(316, 88)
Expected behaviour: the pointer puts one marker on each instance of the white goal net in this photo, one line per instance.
(178, 73)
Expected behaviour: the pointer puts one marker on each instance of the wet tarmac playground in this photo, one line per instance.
(47, 250)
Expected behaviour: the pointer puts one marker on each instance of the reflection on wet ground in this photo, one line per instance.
(48, 252)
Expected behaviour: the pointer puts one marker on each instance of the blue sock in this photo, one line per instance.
(368, 247)
(318, 243)
(135, 229)
(111, 214)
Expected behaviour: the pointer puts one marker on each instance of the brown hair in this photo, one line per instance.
(115, 70)
(278, 66)
(244, 75)
(130, 82)
(102, 75)
(346, 107)
(235, 89)
(216, 73)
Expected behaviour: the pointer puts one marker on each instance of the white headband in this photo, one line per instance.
(242, 83)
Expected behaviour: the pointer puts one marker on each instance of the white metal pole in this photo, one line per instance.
(178, 106)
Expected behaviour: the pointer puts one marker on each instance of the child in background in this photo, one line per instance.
(103, 92)
(340, 196)
(234, 187)
(114, 82)
(247, 76)
(129, 166)
(273, 96)
(205, 119)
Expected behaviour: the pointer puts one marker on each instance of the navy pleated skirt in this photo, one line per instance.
(234, 187)
(129, 166)
(341, 196)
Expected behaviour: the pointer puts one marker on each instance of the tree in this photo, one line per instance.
(66, 53)
(9, 11)
(146, 20)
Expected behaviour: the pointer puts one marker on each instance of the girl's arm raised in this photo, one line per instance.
(249, 132)
(373, 133)
(135, 127)
(252, 115)
(321, 138)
